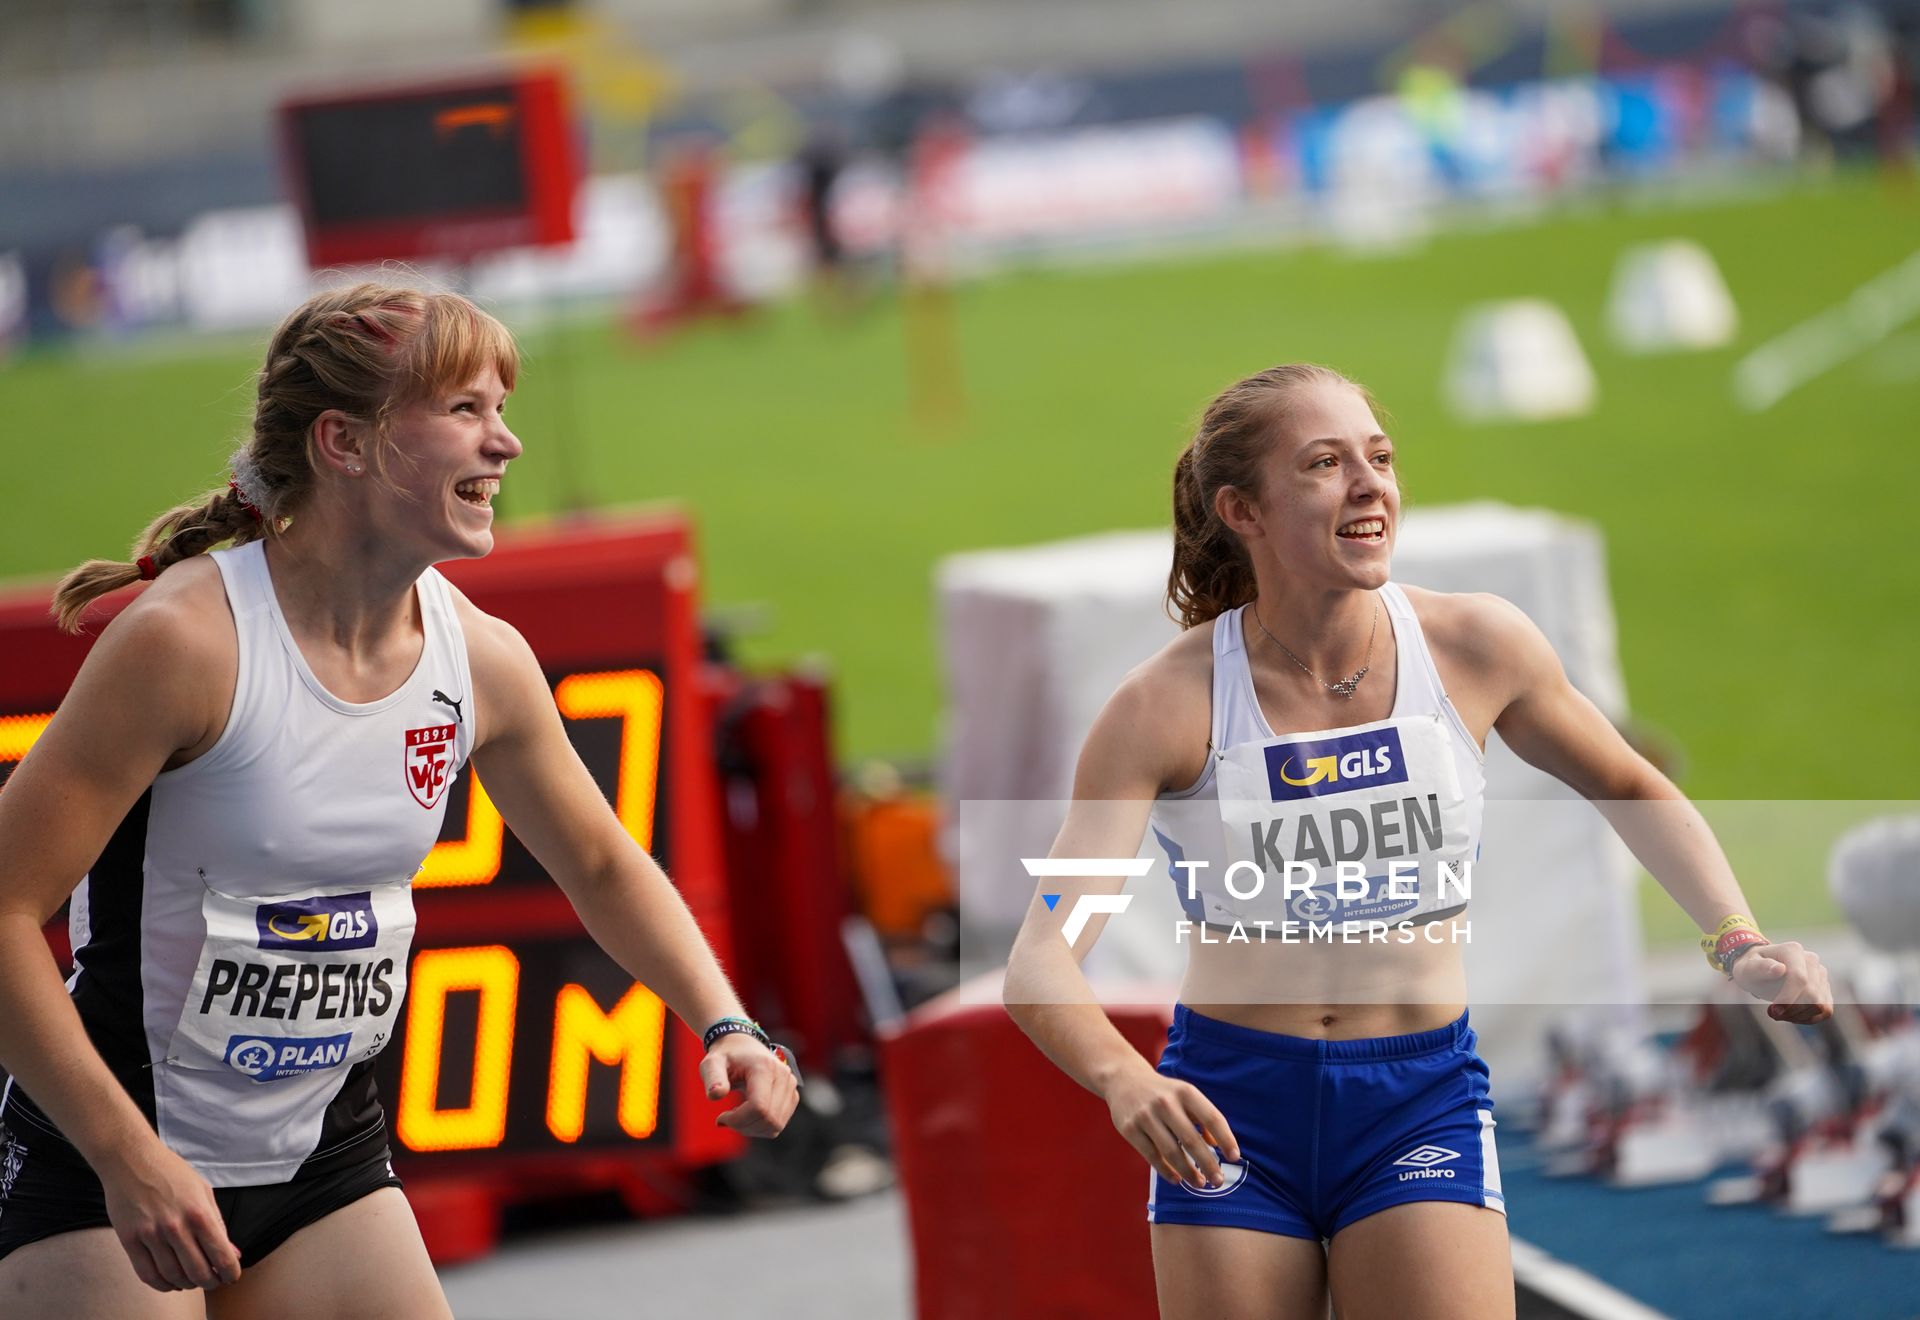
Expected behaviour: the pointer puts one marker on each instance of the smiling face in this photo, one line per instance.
(1328, 504)
(451, 449)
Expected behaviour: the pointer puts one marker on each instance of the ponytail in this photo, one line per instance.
(1211, 572)
(179, 533)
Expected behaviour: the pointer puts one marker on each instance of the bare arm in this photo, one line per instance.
(139, 700)
(1553, 726)
(624, 899)
(1121, 770)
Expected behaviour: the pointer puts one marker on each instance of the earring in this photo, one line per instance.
(354, 468)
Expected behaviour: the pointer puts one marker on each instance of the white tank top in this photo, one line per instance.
(242, 943)
(1397, 795)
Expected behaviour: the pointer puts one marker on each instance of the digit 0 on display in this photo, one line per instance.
(523, 1046)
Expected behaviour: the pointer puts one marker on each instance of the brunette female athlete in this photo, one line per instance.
(248, 771)
(1320, 1122)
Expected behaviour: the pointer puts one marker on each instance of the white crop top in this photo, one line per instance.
(1365, 823)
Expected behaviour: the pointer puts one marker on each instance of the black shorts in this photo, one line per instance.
(46, 1188)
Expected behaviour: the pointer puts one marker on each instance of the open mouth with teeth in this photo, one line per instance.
(1364, 529)
(479, 491)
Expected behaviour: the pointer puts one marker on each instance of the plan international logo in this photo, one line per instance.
(270, 1058)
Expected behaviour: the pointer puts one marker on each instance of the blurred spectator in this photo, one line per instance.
(821, 162)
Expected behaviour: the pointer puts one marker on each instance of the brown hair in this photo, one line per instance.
(1211, 572)
(367, 351)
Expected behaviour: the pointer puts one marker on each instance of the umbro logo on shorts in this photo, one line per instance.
(1425, 1157)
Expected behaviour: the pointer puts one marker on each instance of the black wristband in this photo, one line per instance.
(1733, 956)
(728, 1025)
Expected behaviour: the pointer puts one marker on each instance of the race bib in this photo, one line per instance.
(1364, 824)
(297, 983)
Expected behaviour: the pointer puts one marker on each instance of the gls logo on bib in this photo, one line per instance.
(311, 925)
(1321, 767)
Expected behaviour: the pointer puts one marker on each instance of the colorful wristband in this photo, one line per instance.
(1735, 921)
(1734, 932)
(1731, 943)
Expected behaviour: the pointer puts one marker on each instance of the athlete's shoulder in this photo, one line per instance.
(1177, 679)
(183, 616)
(1155, 725)
(163, 670)
(506, 673)
(491, 642)
(1478, 630)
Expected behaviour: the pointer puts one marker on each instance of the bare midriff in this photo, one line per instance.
(1330, 990)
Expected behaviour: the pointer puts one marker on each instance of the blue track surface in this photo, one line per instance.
(1667, 1248)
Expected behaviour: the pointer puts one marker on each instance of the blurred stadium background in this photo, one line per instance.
(858, 285)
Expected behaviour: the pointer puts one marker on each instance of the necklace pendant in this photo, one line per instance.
(1346, 685)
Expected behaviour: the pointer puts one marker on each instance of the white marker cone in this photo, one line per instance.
(1518, 361)
(1669, 297)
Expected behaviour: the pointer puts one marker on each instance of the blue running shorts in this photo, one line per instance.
(1332, 1131)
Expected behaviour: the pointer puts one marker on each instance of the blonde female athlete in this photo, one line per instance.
(1320, 1122)
(248, 770)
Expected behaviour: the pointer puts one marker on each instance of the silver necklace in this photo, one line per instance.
(1346, 685)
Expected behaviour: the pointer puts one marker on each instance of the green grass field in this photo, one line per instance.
(1761, 565)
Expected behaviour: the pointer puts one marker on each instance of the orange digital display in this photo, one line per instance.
(423, 1122)
(17, 734)
(511, 1045)
(471, 853)
(628, 1038)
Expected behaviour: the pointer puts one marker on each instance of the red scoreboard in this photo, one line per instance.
(528, 1059)
(448, 169)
